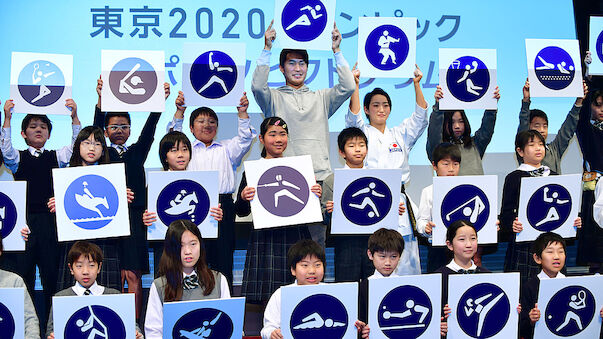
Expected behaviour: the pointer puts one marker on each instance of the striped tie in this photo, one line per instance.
(87, 292)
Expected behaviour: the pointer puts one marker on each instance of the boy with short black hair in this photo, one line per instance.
(446, 162)
(307, 261)
(85, 261)
(34, 165)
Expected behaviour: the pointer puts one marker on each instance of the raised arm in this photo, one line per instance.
(259, 82)
(99, 116)
(339, 93)
(176, 123)
(436, 120)
(353, 117)
(566, 132)
(9, 153)
(483, 135)
(239, 145)
(524, 113)
(411, 129)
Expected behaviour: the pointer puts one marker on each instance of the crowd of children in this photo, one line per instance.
(189, 267)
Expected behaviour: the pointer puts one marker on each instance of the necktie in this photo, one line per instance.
(87, 292)
(37, 153)
(537, 172)
(464, 271)
(120, 149)
(598, 125)
(190, 282)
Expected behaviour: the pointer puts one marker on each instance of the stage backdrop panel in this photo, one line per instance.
(41, 82)
(474, 198)
(218, 318)
(468, 78)
(91, 202)
(319, 311)
(483, 305)
(187, 195)
(549, 204)
(405, 307)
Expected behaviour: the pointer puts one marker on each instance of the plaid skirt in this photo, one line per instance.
(351, 261)
(266, 266)
(110, 273)
(519, 259)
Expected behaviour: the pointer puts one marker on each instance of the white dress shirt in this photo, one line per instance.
(423, 216)
(390, 149)
(544, 276)
(12, 156)
(153, 323)
(598, 206)
(529, 168)
(223, 156)
(456, 267)
(95, 289)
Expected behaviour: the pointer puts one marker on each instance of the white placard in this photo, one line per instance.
(282, 191)
(177, 195)
(473, 198)
(365, 200)
(304, 24)
(595, 45)
(468, 78)
(213, 74)
(12, 309)
(320, 311)
(91, 202)
(12, 214)
(554, 68)
(483, 305)
(217, 318)
(569, 307)
(40, 82)
(405, 307)
(101, 316)
(387, 47)
(132, 81)
(549, 204)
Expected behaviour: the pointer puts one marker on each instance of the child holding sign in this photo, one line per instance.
(529, 145)
(307, 264)
(85, 261)
(184, 275)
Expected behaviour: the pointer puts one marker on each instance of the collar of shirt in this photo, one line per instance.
(117, 147)
(199, 143)
(95, 289)
(184, 275)
(378, 274)
(544, 276)
(529, 168)
(32, 150)
(348, 167)
(456, 267)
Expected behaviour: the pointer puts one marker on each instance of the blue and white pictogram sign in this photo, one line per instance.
(554, 68)
(91, 202)
(549, 204)
(304, 24)
(12, 312)
(40, 83)
(595, 45)
(12, 214)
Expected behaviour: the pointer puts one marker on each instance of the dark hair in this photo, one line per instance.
(545, 239)
(454, 227)
(170, 264)
(87, 249)
(448, 135)
(203, 111)
(110, 115)
(386, 240)
(536, 113)
(172, 139)
(446, 150)
(371, 94)
(304, 248)
(287, 51)
(591, 99)
(348, 134)
(43, 118)
(524, 137)
(76, 157)
(272, 121)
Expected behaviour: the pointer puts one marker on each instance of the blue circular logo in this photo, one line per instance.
(41, 83)
(203, 323)
(213, 74)
(319, 316)
(549, 207)
(366, 201)
(304, 20)
(133, 80)
(483, 310)
(8, 215)
(466, 202)
(91, 202)
(468, 78)
(570, 311)
(404, 312)
(94, 321)
(283, 191)
(599, 47)
(554, 67)
(386, 47)
(7, 323)
(183, 199)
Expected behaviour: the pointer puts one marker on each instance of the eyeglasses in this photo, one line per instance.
(87, 143)
(114, 128)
